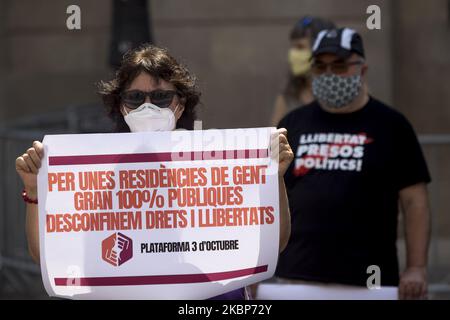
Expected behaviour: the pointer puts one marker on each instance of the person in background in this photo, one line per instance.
(355, 160)
(151, 91)
(297, 91)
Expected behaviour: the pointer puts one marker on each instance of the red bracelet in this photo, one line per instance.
(26, 199)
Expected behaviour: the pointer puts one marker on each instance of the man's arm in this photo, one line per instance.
(414, 203)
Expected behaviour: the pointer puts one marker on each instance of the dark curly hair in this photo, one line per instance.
(158, 63)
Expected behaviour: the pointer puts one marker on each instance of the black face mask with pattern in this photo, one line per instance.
(336, 91)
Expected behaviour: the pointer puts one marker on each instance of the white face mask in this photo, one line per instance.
(149, 117)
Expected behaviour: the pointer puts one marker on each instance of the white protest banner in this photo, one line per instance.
(157, 215)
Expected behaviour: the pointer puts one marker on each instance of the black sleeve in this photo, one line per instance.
(410, 165)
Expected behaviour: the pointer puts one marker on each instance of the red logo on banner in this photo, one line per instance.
(117, 249)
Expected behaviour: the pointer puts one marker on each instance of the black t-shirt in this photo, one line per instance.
(343, 187)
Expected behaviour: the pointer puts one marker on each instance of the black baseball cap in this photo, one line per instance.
(341, 42)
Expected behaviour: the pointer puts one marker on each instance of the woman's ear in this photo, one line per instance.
(122, 110)
(179, 111)
(364, 70)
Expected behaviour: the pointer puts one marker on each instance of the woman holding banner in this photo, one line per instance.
(151, 92)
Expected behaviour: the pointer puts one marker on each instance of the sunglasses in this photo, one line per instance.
(319, 67)
(134, 98)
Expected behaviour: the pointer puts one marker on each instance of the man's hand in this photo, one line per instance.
(413, 284)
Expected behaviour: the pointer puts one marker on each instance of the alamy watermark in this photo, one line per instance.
(73, 21)
(374, 280)
(373, 22)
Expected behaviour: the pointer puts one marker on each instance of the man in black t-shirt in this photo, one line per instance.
(355, 160)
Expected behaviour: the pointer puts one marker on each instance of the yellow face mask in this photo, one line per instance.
(300, 61)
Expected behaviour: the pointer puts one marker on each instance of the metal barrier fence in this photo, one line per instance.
(20, 277)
